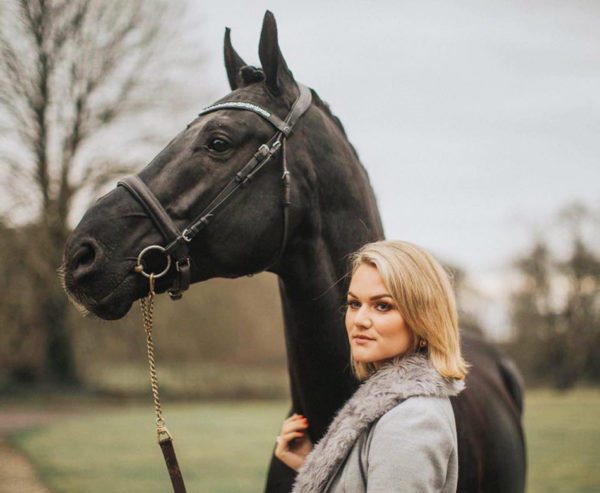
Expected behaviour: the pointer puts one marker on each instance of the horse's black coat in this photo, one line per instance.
(333, 213)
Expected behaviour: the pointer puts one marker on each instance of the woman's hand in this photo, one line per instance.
(293, 443)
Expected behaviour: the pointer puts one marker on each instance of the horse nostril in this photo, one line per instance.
(84, 258)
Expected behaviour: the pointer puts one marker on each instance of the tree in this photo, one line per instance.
(72, 72)
(581, 311)
(556, 310)
(532, 313)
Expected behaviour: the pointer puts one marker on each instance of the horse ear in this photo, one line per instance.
(233, 62)
(277, 74)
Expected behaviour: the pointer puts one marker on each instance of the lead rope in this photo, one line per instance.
(165, 440)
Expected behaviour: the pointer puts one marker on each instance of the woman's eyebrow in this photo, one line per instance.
(376, 297)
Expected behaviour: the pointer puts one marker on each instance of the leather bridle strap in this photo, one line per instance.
(242, 177)
(152, 206)
(176, 240)
(286, 126)
(274, 120)
(261, 157)
(169, 230)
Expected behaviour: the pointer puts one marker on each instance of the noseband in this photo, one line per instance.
(176, 240)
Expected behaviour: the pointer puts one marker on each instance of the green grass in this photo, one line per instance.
(225, 447)
(563, 440)
(221, 447)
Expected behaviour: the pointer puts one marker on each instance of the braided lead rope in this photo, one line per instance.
(147, 307)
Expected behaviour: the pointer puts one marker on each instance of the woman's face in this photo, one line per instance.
(376, 329)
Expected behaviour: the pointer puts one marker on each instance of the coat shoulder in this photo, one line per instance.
(418, 411)
(413, 447)
(414, 424)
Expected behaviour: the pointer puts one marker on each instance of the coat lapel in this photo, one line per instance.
(402, 377)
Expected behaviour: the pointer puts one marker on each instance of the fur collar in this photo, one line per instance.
(402, 377)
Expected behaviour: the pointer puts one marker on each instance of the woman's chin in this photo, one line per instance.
(360, 357)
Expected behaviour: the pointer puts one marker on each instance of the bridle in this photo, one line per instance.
(177, 241)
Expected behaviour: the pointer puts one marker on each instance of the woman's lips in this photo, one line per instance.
(361, 339)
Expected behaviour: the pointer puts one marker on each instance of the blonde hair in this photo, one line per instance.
(421, 288)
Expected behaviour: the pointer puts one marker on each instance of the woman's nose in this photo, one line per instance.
(362, 318)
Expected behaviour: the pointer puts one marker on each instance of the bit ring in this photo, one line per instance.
(139, 267)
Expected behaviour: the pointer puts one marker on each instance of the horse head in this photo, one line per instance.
(246, 234)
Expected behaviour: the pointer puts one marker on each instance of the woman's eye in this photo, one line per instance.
(218, 145)
(353, 304)
(383, 307)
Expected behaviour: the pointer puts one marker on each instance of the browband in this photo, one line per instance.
(274, 120)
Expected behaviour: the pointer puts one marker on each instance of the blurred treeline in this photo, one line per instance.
(555, 308)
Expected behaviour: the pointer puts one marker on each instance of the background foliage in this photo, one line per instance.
(556, 306)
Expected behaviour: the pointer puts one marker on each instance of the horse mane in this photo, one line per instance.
(324, 106)
(252, 75)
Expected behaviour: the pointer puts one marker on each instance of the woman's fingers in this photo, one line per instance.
(295, 422)
(294, 427)
(284, 444)
(288, 437)
(293, 444)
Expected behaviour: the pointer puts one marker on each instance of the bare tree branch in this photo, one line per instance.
(70, 69)
(72, 73)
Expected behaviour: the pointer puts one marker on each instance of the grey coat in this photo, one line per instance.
(395, 434)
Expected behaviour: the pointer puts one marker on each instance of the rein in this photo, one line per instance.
(165, 439)
(177, 241)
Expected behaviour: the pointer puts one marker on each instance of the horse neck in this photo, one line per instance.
(313, 281)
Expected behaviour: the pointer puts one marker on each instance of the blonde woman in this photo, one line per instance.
(397, 432)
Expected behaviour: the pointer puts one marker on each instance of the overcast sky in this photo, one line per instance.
(476, 120)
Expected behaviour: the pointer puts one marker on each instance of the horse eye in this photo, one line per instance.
(218, 145)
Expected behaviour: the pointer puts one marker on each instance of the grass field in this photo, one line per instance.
(563, 440)
(224, 447)
(221, 447)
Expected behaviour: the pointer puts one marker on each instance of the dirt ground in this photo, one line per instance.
(17, 475)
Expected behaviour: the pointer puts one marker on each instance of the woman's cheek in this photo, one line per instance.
(348, 321)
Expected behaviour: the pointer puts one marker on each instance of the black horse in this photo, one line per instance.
(332, 212)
